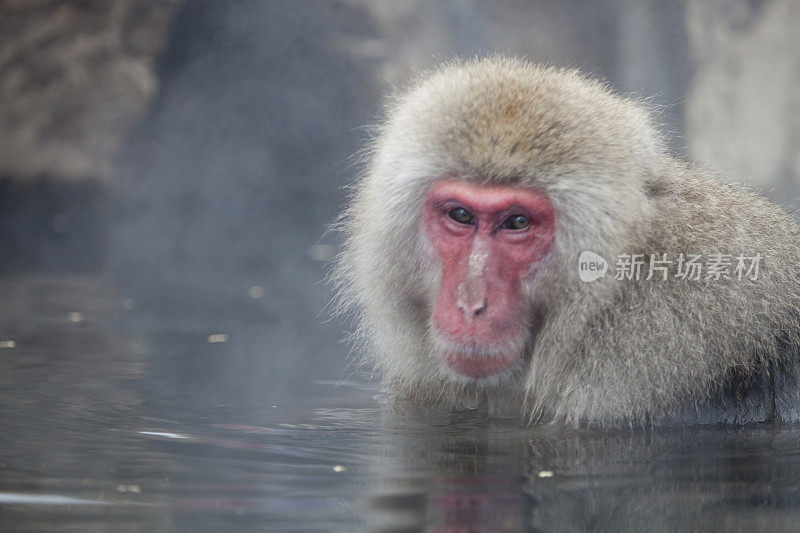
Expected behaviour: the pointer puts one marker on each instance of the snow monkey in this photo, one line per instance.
(522, 238)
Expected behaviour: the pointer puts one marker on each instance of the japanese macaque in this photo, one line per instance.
(486, 182)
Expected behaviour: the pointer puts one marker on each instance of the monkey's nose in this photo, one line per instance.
(471, 299)
(473, 309)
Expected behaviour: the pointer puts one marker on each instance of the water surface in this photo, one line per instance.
(113, 418)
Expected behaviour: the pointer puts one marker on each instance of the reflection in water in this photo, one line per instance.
(108, 425)
(454, 474)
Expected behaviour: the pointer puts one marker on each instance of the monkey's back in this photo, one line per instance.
(740, 336)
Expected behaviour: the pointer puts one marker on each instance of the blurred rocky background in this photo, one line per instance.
(74, 77)
(194, 152)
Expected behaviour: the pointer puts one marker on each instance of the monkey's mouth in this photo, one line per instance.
(480, 366)
(475, 362)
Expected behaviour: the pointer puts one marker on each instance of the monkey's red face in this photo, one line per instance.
(488, 240)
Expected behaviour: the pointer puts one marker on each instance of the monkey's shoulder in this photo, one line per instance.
(696, 212)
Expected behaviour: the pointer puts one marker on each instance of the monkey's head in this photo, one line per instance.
(484, 184)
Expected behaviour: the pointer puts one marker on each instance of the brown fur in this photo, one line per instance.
(604, 352)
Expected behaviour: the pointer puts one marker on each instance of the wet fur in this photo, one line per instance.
(603, 353)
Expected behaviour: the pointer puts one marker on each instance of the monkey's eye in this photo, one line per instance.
(516, 222)
(460, 215)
